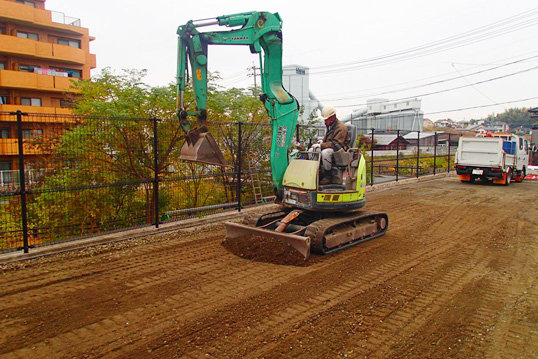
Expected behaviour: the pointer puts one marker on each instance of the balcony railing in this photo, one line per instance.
(43, 50)
(33, 81)
(10, 147)
(60, 18)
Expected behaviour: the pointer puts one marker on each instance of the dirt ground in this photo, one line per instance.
(456, 276)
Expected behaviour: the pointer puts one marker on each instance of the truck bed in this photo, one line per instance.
(483, 152)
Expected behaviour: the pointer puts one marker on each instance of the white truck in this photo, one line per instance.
(499, 157)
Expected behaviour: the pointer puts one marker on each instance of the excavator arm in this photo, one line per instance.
(262, 32)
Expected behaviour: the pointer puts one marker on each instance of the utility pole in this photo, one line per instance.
(253, 73)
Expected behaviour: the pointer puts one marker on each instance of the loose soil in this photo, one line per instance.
(454, 277)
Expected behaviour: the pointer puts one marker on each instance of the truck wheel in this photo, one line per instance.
(523, 174)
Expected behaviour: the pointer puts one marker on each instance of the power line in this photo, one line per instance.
(482, 106)
(357, 94)
(454, 88)
(495, 29)
(475, 88)
(437, 82)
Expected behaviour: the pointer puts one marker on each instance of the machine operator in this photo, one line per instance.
(336, 137)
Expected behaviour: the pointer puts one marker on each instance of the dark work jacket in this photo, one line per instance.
(337, 137)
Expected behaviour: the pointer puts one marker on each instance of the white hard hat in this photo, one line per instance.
(327, 112)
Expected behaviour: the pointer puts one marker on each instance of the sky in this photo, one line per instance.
(464, 59)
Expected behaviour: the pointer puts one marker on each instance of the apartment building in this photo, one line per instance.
(41, 53)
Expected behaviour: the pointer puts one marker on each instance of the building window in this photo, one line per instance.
(66, 103)
(5, 173)
(27, 35)
(31, 3)
(68, 42)
(30, 101)
(2, 66)
(4, 133)
(27, 68)
(4, 99)
(74, 73)
(68, 73)
(27, 134)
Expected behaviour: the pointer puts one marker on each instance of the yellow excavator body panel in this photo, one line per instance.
(302, 174)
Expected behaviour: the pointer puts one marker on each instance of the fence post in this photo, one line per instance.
(448, 167)
(397, 154)
(239, 160)
(22, 179)
(156, 172)
(435, 153)
(372, 160)
(418, 151)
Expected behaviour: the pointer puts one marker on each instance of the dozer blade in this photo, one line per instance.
(300, 243)
(202, 147)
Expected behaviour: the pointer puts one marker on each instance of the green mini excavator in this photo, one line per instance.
(312, 217)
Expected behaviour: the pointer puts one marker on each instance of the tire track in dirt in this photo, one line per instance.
(283, 321)
(67, 280)
(436, 277)
(518, 338)
(398, 321)
(405, 321)
(236, 281)
(208, 264)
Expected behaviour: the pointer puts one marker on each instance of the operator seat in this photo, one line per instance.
(353, 135)
(343, 158)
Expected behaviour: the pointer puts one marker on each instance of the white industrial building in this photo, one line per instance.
(385, 115)
(295, 79)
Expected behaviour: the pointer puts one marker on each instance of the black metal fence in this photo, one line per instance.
(72, 177)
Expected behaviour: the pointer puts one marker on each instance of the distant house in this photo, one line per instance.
(493, 128)
(390, 142)
(427, 139)
(448, 123)
(463, 124)
(474, 128)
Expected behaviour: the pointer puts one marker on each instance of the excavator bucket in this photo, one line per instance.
(300, 243)
(202, 147)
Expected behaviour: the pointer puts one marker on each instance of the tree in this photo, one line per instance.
(107, 155)
(239, 105)
(102, 164)
(514, 117)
